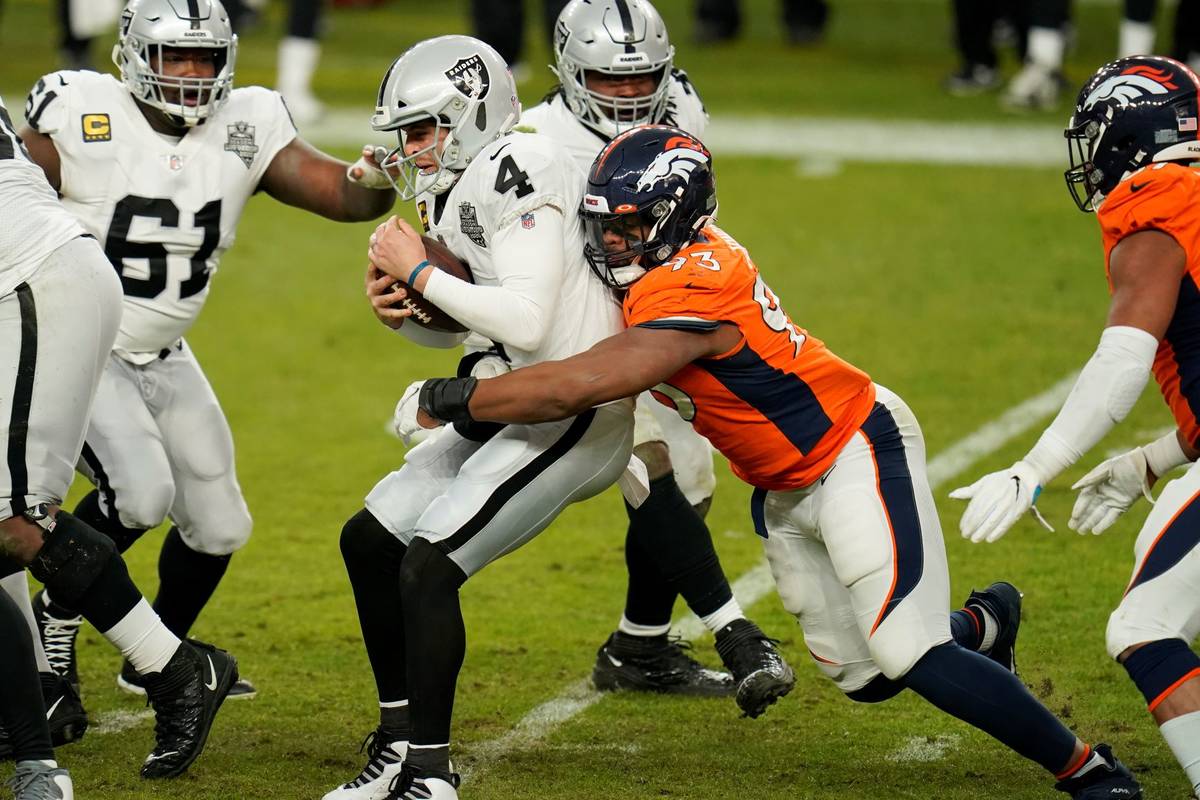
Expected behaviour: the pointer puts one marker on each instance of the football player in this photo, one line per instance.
(158, 166)
(1132, 139)
(837, 462)
(503, 202)
(614, 62)
(59, 312)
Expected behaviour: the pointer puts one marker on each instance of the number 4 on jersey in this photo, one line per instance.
(511, 176)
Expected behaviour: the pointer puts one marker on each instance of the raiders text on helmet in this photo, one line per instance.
(149, 26)
(649, 193)
(465, 88)
(1133, 112)
(614, 37)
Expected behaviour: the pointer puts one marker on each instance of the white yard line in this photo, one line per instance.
(757, 583)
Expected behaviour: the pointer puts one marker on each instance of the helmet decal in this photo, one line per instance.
(1132, 84)
(470, 76)
(678, 161)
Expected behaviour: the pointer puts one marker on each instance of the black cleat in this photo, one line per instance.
(423, 784)
(65, 714)
(761, 674)
(59, 629)
(1003, 602)
(129, 681)
(655, 664)
(1109, 781)
(186, 696)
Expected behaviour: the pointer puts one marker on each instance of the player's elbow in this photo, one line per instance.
(527, 337)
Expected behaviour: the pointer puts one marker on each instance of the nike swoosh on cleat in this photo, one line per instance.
(153, 757)
(211, 685)
(616, 662)
(50, 712)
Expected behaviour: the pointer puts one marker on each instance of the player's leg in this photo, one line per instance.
(1136, 36)
(974, 25)
(373, 544)
(1159, 617)
(506, 494)
(299, 54)
(65, 319)
(1039, 83)
(718, 20)
(124, 459)
(668, 550)
(879, 522)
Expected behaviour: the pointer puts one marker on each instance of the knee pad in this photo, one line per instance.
(657, 458)
(145, 507)
(221, 534)
(427, 570)
(364, 541)
(1158, 668)
(71, 559)
(879, 689)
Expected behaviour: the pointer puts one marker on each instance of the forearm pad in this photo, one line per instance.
(447, 398)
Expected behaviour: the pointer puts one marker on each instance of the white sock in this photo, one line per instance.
(143, 639)
(17, 587)
(297, 62)
(724, 615)
(1046, 46)
(45, 762)
(1135, 39)
(991, 627)
(1183, 737)
(633, 629)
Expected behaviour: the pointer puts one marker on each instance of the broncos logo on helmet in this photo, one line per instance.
(1132, 84)
(680, 162)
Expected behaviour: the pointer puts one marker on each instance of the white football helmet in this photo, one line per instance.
(465, 87)
(148, 26)
(615, 37)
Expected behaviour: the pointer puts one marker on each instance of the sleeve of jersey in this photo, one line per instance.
(278, 129)
(529, 174)
(46, 107)
(689, 111)
(1155, 205)
(678, 305)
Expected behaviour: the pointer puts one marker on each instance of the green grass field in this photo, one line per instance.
(965, 289)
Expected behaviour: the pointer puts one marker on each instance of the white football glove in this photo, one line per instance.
(490, 366)
(404, 419)
(372, 177)
(998, 500)
(1108, 491)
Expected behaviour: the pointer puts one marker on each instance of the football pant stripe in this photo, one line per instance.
(22, 400)
(1175, 541)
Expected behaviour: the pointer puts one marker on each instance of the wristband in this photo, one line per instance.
(412, 276)
(1164, 454)
(447, 398)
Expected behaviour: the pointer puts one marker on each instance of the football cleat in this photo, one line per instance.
(65, 714)
(971, 80)
(59, 629)
(384, 760)
(129, 681)
(1034, 88)
(423, 784)
(761, 674)
(655, 664)
(1109, 781)
(186, 696)
(33, 780)
(1002, 601)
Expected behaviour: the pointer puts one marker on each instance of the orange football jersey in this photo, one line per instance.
(1166, 197)
(780, 406)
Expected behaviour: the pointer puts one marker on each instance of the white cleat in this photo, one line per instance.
(424, 784)
(1034, 88)
(384, 760)
(34, 780)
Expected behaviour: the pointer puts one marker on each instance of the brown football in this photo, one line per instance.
(425, 313)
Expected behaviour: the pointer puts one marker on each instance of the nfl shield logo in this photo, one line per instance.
(527, 221)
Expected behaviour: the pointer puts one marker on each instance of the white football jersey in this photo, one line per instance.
(553, 118)
(33, 224)
(165, 210)
(510, 178)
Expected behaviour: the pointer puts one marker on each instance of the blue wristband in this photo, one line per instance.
(412, 277)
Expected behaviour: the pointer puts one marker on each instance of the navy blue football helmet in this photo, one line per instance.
(1133, 112)
(649, 193)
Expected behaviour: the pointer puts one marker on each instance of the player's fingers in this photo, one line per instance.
(1097, 475)
(963, 493)
(1095, 514)
(405, 227)
(1105, 523)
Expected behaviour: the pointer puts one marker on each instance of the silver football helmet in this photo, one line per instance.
(149, 26)
(465, 87)
(614, 37)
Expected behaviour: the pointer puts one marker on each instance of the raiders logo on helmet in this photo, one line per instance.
(470, 76)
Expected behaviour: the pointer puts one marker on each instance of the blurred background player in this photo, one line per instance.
(59, 313)
(299, 54)
(615, 65)
(162, 182)
(841, 495)
(1132, 138)
(501, 23)
(804, 21)
(1038, 85)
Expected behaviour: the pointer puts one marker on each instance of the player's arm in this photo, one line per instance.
(302, 176)
(620, 366)
(43, 152)
(1146, 268)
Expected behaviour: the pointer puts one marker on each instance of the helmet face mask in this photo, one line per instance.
(465, 89)
(153, 34)
(649, 194)
(1131, 113)
(612, 39)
